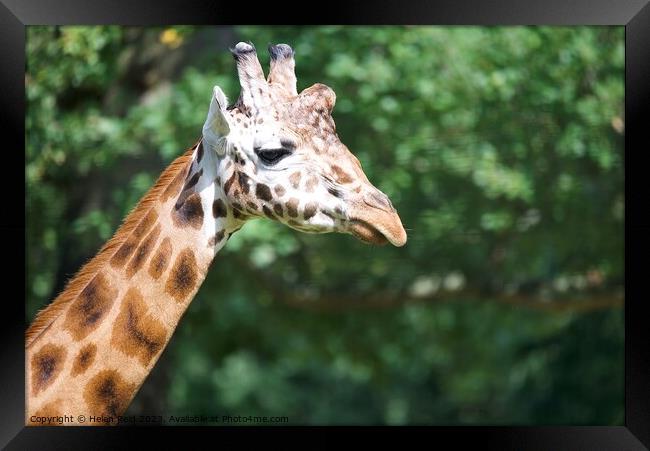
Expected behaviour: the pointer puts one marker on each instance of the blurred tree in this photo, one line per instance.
(502, 149)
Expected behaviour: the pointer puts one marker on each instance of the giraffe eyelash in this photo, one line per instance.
(271, 156)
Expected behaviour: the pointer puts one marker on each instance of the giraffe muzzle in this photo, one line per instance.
(375, 220)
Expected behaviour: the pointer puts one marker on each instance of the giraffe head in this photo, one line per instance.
(280, 157)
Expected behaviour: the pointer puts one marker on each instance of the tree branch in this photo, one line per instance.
(577, 302)
(333, 303)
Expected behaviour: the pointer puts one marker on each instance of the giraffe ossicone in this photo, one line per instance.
(273, 154)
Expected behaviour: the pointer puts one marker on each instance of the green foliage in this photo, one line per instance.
(501, 148)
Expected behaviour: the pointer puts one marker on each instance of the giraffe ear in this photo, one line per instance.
(216, 126)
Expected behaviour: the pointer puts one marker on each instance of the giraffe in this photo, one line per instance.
(273, 154)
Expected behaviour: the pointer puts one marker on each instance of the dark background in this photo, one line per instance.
(501, 148)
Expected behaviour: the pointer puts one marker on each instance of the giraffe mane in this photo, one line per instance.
(46, 316)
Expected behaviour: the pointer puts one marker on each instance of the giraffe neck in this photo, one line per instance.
(89, 352)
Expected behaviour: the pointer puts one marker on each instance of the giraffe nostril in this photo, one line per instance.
(377, 199)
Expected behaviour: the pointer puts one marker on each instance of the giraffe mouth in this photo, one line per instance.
(377, 226)
(367, 233)
(374, 220)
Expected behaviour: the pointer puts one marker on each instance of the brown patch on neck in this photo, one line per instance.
(189, 212)
(175, 186)
(136, 333)
(141, 255)
(183, 277)
(90, 307)
(108, 394)
(193, 180)
(160, 261)
(84, 359)
(158, 193)
(126, 250)
(47, 364)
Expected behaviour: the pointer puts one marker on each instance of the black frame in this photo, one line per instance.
(633, 14)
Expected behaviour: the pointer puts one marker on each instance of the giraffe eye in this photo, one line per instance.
(272, 156)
